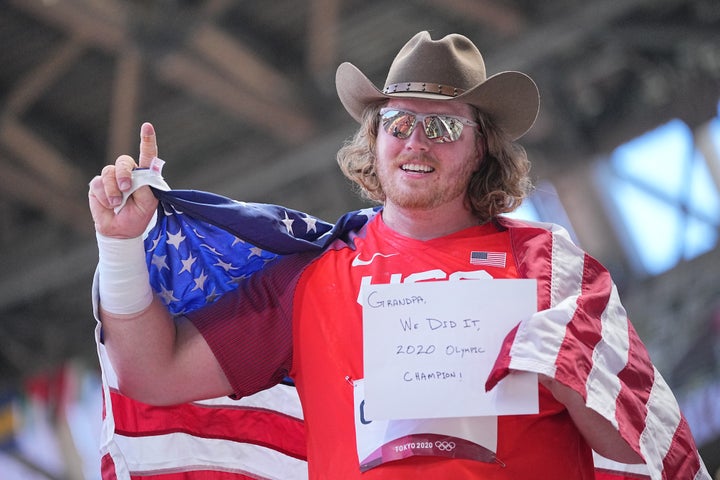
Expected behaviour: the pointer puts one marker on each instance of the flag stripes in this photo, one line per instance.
(261, 436)
(265, 427)
(606, 469)
(151, 455)
(604, 360)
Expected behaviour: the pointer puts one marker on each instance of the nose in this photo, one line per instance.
(418, 140)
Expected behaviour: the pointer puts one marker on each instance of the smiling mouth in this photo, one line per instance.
(417, 168)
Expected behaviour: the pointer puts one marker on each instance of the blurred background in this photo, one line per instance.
(626, 155)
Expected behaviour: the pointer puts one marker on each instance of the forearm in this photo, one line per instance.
(600, 434)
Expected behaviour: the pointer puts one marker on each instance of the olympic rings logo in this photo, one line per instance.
(444, 445)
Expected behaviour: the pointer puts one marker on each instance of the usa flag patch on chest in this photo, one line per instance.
(489, 259)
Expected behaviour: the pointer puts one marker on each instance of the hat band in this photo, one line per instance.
(423, 87)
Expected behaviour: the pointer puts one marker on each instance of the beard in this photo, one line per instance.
(438, 189)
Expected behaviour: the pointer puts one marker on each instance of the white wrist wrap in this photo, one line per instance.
(123, 280)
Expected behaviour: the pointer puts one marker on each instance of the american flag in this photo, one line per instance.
(198, 249)
(203, 243)
(582, 337)
(489, 259)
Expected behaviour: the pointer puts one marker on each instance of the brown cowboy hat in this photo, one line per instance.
(451, 69)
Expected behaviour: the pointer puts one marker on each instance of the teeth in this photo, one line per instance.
(417, 168)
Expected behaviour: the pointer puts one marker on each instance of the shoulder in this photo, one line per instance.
(529, 226)
(541, 246)
(526, 231)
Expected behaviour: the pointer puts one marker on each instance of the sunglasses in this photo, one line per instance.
(438, 127)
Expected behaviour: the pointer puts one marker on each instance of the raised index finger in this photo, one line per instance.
(148, 145)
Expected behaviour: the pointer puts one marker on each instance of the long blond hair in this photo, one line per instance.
(498, 186)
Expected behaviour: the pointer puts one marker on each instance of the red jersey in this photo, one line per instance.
(302, 317)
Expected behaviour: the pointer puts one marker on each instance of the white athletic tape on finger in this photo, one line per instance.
(151, 176)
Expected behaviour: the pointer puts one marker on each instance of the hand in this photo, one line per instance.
(106, 192)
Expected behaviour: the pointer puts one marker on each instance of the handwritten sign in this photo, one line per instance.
(429, 348)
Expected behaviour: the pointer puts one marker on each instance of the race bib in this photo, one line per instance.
(382, 441)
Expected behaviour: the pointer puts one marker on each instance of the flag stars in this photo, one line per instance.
(212, 296)
(310, 223)
(167, 295)
(187, 264)
(224, 265)
(367, 213)
(200, 281)
(287, 221)
(155, 243)
(211, 249)
(217, 260)
(236, 280)
(160, 261)
(175, 239)
(255, 252)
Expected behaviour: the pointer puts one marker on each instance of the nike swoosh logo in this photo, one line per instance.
(357, 262)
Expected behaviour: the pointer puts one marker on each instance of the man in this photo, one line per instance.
(436, 149)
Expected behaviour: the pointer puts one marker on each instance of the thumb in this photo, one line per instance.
(148, 145)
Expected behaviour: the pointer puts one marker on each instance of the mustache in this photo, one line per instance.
(422, 157)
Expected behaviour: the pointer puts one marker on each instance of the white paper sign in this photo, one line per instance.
(429, 348)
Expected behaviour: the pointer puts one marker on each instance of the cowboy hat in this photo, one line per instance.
(450, 69)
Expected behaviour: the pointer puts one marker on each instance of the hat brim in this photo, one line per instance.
(510, 99)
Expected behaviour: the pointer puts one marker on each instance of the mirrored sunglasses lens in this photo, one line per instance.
(442, 129)
(398, 123)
